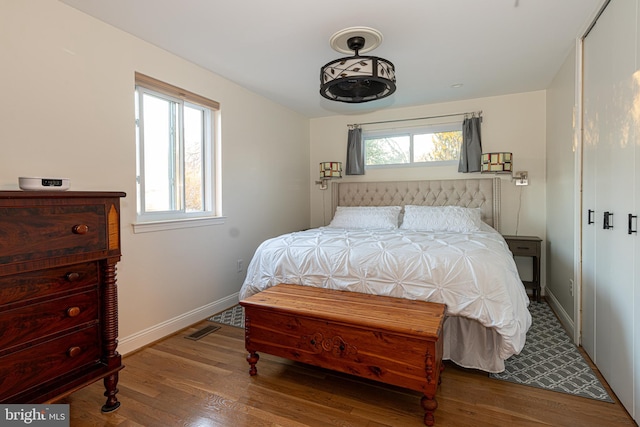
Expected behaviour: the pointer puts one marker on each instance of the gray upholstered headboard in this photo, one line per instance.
(472, 193)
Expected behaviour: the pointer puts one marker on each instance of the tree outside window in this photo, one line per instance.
(410, 148)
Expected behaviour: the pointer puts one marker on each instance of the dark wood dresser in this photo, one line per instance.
(58, 297)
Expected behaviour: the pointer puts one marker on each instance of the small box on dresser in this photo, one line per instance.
(58, 294)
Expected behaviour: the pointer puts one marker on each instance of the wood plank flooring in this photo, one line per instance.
(180, 382)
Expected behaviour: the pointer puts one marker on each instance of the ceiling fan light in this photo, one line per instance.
(357, 79)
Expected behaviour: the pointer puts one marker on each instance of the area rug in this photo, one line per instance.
(232, 317)
(550, 360)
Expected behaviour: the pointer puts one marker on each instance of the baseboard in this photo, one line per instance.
(565, 319)
(147, 336)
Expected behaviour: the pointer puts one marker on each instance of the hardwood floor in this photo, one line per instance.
(180, 382)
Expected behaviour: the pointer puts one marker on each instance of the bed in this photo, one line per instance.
(444, 248)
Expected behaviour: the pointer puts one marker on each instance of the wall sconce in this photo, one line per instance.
(521, 178)
(329, 170)
(496, 162)
(502, 162)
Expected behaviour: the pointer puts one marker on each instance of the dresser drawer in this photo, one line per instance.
(39, 321)
(34, 366)
(51, 231)
(523, 247)
(23, 288)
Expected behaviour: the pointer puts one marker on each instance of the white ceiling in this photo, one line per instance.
(276, 47)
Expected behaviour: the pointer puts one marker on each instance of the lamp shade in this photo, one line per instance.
(496, 162)
(330, 170)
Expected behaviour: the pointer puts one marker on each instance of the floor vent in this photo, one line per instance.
(202, 332)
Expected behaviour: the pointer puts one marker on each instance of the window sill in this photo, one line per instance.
(148, 227)
(430, 164)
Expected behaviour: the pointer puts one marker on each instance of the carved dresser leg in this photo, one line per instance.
(110, 335)
(110, 384)
(430, 405)
(252, 358)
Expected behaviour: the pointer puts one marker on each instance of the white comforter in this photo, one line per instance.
(474, 274)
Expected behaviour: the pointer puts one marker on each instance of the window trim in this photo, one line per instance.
(174, 224)
(212, 213)
(175, 91)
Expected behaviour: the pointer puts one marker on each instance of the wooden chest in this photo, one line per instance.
(392, 340)
(58, 299)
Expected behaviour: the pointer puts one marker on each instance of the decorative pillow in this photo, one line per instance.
(360, 217)
(441, 218)
(472, 214)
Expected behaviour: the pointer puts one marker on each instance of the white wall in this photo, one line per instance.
(67, 111)
(561, 171)
(513, 123)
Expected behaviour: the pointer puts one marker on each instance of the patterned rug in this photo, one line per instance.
(232, 317)
(550, 360)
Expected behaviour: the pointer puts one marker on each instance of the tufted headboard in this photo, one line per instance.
(471, 193)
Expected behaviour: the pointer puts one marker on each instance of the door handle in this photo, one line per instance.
(630, 228)
(590, 217)
(608, 220)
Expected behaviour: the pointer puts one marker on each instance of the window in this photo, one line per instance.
(412, 147)
(176, 152)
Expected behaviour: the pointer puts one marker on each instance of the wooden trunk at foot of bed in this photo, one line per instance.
(391, 340)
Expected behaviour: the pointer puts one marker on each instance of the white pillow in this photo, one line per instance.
(360, 217)
(441, 218)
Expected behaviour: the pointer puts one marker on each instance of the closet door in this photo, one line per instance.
(589, 225)
(634, 234)
(597, 169)
(596, 197)
(592, 90)
(609, 124)
(636, 260)
(619, 137)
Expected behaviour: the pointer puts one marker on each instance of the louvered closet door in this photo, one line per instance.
(610, 137)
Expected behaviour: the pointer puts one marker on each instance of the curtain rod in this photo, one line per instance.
(479, 113)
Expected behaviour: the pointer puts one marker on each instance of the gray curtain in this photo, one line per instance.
(471, 149)
(355, 152)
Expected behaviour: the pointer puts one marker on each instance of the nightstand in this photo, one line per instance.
(528, 246)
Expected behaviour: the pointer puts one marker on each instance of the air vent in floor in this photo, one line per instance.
(202, 332)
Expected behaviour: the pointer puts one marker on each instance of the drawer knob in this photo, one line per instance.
(74, 351)
(72, 277)
(80, 229)
(73, 311)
